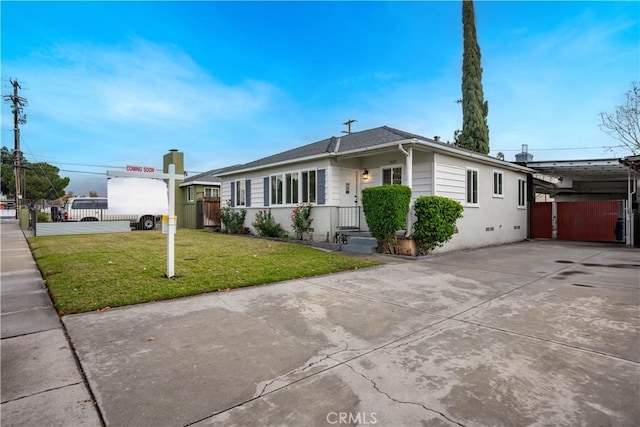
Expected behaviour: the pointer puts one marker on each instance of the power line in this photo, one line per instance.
(51, 186)
(86, 172)
(82, 164)
(605, 147)
(52, 161)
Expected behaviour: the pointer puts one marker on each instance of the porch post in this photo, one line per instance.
(410, 185)
(628, 211)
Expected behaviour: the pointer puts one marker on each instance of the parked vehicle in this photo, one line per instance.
(85, 209)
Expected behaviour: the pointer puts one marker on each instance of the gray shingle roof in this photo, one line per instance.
(359, 141)
(353, 141)
(209, 176)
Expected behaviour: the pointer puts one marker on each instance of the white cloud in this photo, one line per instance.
(124, 97)
(129, 104)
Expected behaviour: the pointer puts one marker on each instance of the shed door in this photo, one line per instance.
(541, 220)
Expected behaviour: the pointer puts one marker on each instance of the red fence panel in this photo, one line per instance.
(541, 220)
(593, 220)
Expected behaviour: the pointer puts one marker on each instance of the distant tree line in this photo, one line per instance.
(42, 181)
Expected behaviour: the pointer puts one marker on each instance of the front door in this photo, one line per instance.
(349, 209)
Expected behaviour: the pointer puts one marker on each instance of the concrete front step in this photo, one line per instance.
(360, 245)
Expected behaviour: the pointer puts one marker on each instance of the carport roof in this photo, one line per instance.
(583, 170)
(586, 177)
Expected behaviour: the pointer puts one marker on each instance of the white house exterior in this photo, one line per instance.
(332, 173)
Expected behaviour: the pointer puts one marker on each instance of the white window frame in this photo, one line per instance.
(213, 192)
(191, 194)
(273, 185)
(522, 194)
(471, 198)
(498, 184)
(241, 192)
(291, 188)
(392, 170)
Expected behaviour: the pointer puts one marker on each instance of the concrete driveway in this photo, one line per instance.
(542, 333)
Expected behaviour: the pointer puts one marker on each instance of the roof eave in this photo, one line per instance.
(208, 183)
(282, 163)
(443, 148)
(477, 156)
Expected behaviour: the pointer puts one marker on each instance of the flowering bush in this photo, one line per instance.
(266, 225)
(301, 219)
(232, 220)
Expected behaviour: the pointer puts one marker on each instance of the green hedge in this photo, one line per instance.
(436, 221)
(386, 209)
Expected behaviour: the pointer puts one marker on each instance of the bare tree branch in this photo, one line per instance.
(624, 123)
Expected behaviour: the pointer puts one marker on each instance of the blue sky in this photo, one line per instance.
(116, 83)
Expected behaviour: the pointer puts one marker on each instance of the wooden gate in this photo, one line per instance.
(594, 220)
(208, 213)
(541, 220)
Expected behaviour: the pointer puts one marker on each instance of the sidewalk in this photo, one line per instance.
(41, 381)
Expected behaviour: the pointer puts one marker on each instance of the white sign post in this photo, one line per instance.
(148, 172)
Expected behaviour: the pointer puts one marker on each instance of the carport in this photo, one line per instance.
(588, 200)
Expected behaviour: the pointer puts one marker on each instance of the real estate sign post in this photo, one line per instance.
(149, 172)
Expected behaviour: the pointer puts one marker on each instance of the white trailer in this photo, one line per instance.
(141, 201)
(144, 200)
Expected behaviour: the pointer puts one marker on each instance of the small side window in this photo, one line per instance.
(497, 184)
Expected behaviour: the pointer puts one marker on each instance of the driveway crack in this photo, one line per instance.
(305, 368)
(375, 386)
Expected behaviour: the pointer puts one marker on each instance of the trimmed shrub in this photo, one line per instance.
(386, 209)
(436, 221)
(267, 226)
(232, 220)
(42, 217)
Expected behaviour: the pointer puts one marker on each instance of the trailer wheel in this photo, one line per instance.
(147, 223)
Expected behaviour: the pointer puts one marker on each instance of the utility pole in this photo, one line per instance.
(19, 118)
(348, 125)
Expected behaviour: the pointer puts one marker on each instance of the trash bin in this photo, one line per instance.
(619, 230)
(54, 214)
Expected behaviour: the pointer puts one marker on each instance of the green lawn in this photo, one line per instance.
(90, 272)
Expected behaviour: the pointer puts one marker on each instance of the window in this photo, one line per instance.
(190, 193)
(522, 193)
(472, 186)
(241, 192)
(212, 192)
(309, 188)
(392, 176)
(497, 184)
(291, 187)
(276, 190)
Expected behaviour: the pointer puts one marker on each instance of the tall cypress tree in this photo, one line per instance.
(475, 132)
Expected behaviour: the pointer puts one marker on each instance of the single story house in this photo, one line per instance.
(331, 174)
(201, 186)
(197, 196)
(199, 201)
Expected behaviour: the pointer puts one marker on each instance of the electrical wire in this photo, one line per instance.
(604, 147)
